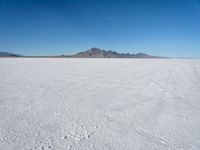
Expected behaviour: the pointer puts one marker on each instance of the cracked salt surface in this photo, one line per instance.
(59, 104)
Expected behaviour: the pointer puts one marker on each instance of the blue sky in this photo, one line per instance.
(47, 27)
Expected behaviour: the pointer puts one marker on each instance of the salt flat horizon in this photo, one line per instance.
(83, 103)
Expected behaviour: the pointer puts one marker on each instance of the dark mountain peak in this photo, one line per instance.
(94, 49)
(100, 53)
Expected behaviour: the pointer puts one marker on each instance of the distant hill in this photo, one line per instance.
(7, 54)
(99, 53)
(92, 53)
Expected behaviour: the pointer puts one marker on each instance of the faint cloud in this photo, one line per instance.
(108, 18)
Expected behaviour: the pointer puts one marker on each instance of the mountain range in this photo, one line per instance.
(99, 53)
(91, 53)
(7, 54)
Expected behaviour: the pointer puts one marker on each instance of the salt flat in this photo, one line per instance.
(100, 104)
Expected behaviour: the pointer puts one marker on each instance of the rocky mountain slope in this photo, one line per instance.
(7, 54)
(99, 53)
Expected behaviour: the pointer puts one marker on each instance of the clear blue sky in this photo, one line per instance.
(45, 27)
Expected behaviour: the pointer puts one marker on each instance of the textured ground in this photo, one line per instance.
(100, 104)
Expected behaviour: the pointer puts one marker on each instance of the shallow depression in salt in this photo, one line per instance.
(104, 104)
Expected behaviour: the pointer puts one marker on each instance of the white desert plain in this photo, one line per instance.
(99, 104)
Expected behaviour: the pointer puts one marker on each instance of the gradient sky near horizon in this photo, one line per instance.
(47, 27)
